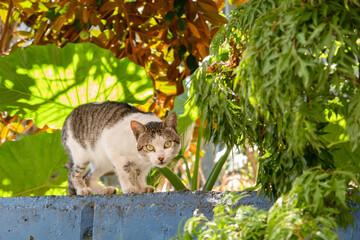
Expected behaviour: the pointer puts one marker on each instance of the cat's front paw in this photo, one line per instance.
(110, 190)
(83, 191)
(131, 190)
(147, 189)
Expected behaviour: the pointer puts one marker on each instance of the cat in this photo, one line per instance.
(116, 137)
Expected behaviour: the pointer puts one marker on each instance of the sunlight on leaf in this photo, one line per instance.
(45, 82)
(33, 165)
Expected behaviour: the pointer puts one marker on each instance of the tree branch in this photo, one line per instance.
(6, 28)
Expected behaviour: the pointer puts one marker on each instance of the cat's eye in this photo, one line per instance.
(167, 144)
(149, 147)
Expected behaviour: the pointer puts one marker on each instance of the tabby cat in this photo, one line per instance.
(115, 137)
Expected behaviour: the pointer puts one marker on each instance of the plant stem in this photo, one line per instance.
(194, 180)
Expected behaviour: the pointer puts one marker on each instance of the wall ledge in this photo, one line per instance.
(124, 216)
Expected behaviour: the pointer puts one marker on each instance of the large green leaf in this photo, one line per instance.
(186, 110)
(344, 156)
(46, 82)
(32, 165)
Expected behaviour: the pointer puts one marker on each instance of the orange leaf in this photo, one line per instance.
(201, 25)
(193, 29)
(220, 4)
(70, 13)
(85, 15)
(39, 32)
(203, 50)
(17, 127)
(29, 124)
(12, 119)
(59, 23)
(215, 18)
(108, 6)
(207, 6)
(4, 132)
(237, 3)
(94, 20)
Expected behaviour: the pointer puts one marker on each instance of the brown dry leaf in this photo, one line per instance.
(208, 6)
(85, 15)
(94, 20)
(58, 24)
(161, 79)
(220, 4)
(212, 68)
(237, 3)
(172, 73)
(133, 29)
(203, 50)
(169, 102)
(203, 27)
(39, 32)
(215, 18)
(193, 29)
(154, 68)
(108, 6)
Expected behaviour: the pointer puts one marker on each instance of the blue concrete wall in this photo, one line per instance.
(125, 216)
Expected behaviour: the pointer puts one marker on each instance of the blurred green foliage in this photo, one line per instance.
(33, 166)
(284, 75)
(315, 206)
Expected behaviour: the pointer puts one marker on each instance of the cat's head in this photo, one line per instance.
(157, 142)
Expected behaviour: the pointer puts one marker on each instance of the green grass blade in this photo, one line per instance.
(197, 157)
(187, 170)
(216, 171)
(173, 179)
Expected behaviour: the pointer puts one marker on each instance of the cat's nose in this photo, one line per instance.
(161, 159)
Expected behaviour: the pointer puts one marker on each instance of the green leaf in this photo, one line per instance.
(181, 24)
(169, 17)
(46, 82)
(216, 171)
(186, 111)
(173, 179)
(180, 7)
(191, 63)
(99, 2)
(194, 180)
(32, 165)
(51, 14)
(317, 31)
(181, 51)
(341, 148)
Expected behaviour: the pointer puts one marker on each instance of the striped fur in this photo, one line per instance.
(113, 137)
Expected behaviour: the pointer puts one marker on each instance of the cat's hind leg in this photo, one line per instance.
(91, 179)
(75, 179)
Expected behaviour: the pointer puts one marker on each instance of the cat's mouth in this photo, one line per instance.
(162, 164)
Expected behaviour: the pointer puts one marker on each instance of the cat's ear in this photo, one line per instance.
(137, 128)
(171, 121)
